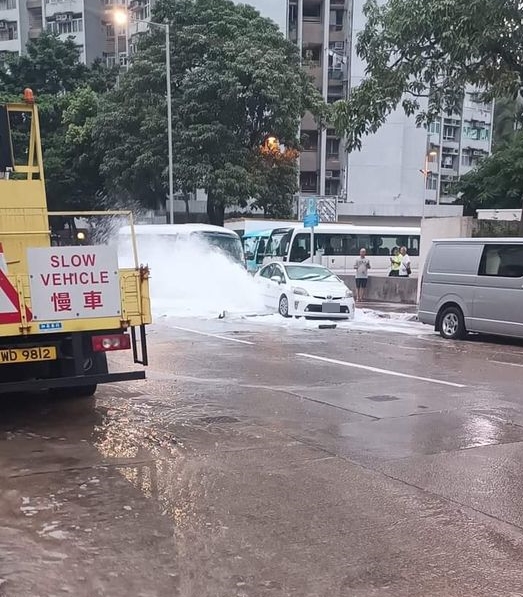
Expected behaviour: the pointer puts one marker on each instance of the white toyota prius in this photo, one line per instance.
(304, 290)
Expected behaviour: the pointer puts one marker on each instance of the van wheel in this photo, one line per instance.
(452, 324)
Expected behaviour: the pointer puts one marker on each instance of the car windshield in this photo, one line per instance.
(300, 272)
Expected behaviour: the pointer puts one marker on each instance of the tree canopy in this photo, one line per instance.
(498, 180)
(420, 55)
(235, 82)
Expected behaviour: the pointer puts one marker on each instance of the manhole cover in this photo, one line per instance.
(219, 419)
(382, 398)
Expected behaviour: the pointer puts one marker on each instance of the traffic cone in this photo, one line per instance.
(3, 262)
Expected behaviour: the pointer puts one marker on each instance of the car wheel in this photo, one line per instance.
(452, 324)
(283, 306)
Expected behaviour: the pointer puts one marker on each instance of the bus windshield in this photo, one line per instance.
(227, 244)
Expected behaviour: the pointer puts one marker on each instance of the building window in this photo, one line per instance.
(312, 55)
(435, 127)
(8, 30)
(333, 148)
(503, 261)
(432, 182)
(476, 133)
(309, 140)
(336, 20)
(7, 4)
(332, 187)
(65, 27)
(309, 182)
(449, 133)
(447, 161)
(312, 12)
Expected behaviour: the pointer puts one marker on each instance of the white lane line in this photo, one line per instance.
(508, 364)
(376, 370)
(238, 341)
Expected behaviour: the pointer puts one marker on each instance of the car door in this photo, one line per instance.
(264, 282)
(498, 297)
(275, 290)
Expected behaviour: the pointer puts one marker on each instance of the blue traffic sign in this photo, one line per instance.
(312, 206)
(311, 220)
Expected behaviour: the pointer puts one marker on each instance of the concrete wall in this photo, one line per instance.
(434, 228)
(387, 289)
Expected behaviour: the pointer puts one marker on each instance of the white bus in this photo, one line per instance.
(226, 241)
(336, 246)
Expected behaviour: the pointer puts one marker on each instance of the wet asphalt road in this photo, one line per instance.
(247, 467)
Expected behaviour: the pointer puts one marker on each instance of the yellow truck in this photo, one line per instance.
(62, 308)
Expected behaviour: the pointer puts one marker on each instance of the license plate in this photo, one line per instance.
(331, 308)
(26, 355)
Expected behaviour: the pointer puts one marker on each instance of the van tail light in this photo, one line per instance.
(111, 342)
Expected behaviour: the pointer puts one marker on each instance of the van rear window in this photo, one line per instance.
(455, 259)
(503, 261)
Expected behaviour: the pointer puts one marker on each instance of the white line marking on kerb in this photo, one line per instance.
(376, 370)
(213, 335)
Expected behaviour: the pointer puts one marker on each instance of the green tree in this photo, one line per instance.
(49, 66)
(498, 180)
(420, 54)
(236, 80)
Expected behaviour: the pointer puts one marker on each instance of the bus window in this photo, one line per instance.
(300, 249)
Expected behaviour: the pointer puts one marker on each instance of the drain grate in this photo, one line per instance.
(382, 398)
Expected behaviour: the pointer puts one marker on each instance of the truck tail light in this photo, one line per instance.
(111, 342)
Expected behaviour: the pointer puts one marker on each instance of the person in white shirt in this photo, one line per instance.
(405, 270)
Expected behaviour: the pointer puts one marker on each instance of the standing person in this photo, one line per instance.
(395, 262)
(362, 267)
(405, 270)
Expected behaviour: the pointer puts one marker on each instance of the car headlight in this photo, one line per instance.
(348, 293)
(300, 291)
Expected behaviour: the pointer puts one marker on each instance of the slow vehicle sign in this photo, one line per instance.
(74, 282)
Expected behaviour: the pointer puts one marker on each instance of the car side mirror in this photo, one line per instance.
(276, 279)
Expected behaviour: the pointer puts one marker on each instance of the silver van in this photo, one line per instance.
(473, 285)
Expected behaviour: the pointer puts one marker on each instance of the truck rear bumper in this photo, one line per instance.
(35, 385)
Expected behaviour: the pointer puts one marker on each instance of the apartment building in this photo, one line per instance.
(387, 178)
(84, 20)
(456, 143)
(19, 21)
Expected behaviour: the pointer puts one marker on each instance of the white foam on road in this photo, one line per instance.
(190, 279)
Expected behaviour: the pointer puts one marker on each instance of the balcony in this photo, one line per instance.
(309, 161)
(333, 162)
(312, 32)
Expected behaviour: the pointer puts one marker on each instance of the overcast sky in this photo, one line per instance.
(274, 9)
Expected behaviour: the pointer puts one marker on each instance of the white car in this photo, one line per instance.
(304, 290)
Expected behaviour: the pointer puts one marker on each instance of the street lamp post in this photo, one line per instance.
(121, 18)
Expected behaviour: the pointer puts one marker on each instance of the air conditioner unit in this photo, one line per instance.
(329, 174)
(339, 45)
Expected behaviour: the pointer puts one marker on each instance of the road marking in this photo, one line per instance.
(376, 370)
(213, 335)
(509, 364)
